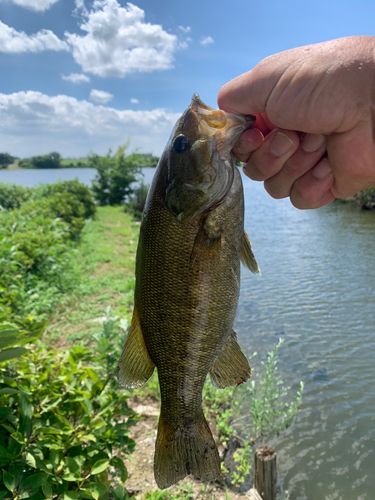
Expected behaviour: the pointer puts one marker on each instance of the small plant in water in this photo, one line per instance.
(264, 405)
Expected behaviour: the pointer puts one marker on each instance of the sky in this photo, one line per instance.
(82, 76)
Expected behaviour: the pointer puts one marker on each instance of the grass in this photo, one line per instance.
(105, 261)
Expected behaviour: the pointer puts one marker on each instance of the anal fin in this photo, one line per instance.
(135, 366)
(231, 366)
(247, 256)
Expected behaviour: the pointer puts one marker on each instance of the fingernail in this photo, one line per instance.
(313, 142)
(280, 144)
(322, 170)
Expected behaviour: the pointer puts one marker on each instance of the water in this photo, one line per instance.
(317, 291)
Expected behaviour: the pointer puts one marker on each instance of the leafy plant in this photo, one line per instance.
(115, 176)
(184, 492)
(136, 204)
(36, 263)
(14, 336)
(65, 425)
(78, 190)
(269, 411)
(267, 398)
(12, 196)
(263, 403)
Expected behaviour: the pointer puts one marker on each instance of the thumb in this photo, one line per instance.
(250, 92)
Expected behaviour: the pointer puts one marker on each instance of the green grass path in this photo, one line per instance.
(104, 262)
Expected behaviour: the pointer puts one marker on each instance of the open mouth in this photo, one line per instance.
(226, 128)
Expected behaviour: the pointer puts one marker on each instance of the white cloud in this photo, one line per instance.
(206, 41)
(100, 96)
(39, 5)
(13, 41)
(33, 123)
(76, 78)
(133, 100)
(118, 41)
(184, 29)
(80, 7)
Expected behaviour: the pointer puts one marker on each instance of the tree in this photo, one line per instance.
(52, 160)
(115, 176)
(6, 159)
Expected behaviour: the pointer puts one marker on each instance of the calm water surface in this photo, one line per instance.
(317, 291)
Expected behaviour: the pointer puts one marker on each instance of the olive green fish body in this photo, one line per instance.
(186, 295)
(187, 311)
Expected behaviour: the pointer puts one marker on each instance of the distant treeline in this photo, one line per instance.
(55, 160)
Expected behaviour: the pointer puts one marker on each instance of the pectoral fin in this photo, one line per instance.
(207, 240)
(247, 256)
(231, 366)
(135, 366)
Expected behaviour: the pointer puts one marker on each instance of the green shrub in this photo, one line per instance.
(15, 335)
(36, 250)
(78, 190)
(64, 432)
(136, 204)
(65, 422)
(12, 196)
(35, 263)
(25, 163)
(115, 176)
(264, 403)
(366, 198)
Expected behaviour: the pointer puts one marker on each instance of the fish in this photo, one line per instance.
(191, 242)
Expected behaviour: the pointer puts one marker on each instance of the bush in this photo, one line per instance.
(12, 196)
(15, 335)
(51, 160)
(36, 250)
(115, 176)
(65, 428)
(265, 409)
(80, 192)
(136, 204)
(25, 163)
(366, 198)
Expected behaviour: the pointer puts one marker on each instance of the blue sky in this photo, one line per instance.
(81, 75)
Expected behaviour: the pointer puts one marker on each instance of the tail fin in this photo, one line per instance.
(180, 451)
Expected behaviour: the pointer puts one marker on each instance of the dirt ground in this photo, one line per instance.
(140, 465)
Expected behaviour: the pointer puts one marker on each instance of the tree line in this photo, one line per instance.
(55, 160)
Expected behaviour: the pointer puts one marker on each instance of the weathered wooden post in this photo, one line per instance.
(265, 475)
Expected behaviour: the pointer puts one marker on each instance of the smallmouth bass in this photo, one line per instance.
(190, 245)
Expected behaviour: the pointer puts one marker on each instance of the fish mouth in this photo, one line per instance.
(203, 172)
(224, 128)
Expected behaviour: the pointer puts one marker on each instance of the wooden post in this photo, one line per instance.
(265, 473)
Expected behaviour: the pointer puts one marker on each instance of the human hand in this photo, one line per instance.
(314, 138)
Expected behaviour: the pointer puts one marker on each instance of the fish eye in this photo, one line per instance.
(180, 143)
